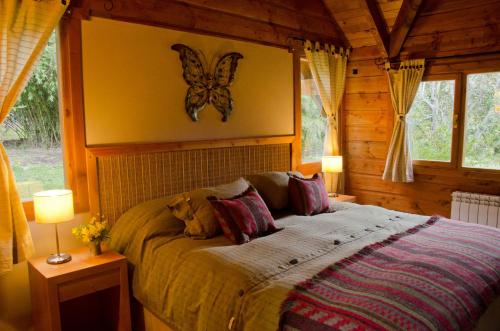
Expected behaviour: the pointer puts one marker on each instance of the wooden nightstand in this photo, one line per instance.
(344, 198)
(87, 293)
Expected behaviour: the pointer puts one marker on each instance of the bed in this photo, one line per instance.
(214, 285)
(186, 284)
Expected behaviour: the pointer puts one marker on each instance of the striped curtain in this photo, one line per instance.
(328, 66)
(403, 85)
(25, 27)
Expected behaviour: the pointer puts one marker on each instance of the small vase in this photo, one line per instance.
(95, 248)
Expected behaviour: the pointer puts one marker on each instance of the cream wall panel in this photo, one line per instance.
(134, 90)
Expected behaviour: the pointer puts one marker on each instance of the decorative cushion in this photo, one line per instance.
(273, 187)
(244, 216)
(198, 214)
(308, 196)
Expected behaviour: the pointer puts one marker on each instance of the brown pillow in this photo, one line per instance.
(273, 187)
(194, 209)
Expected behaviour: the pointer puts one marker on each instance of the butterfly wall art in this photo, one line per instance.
(207, 86)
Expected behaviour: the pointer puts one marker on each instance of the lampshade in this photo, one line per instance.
(53, 206)
(331, 164)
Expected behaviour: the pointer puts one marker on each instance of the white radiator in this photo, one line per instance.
(476, 208)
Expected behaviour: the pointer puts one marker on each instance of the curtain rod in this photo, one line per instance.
(296, 41)
(447, 57)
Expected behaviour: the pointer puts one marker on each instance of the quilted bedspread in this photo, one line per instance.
(440, 275)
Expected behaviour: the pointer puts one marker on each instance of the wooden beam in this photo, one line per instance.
(401, 28)
(268, 25)
(134, 148)
(379, 28)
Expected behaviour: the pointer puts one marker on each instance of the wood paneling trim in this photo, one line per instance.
(114, 149)
(72, 110)
(297, 111)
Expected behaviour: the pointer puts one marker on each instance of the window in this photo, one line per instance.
(32, 134)
(455, 121)
(430, 121)
(482, 121)
(313, 123)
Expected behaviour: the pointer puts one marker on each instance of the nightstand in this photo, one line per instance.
(344, 198)
(87, 293)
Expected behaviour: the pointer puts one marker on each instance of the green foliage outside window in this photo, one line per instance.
(482, 121)
(313, 129)
(31, 133)
(35, 117)
(430, 121)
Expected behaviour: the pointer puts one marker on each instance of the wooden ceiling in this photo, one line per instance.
(386, 28)
(419, 28)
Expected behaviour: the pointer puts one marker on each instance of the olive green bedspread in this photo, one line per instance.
(214, 285)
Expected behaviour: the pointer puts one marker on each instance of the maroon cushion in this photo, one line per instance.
(308, 196)
(244, 216)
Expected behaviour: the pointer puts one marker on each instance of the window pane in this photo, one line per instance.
(431, 120)
(482, 121)
(313, 121)
(31, 132)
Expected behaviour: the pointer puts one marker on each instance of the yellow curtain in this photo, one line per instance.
(403, 86)
(25, 27)
(328, 66)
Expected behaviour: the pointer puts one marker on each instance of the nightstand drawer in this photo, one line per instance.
(90, 284)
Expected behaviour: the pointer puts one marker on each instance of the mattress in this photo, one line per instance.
(214, 285)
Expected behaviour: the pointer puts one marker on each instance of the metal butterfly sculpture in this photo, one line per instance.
(204, 87)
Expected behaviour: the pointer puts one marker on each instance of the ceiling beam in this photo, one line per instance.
(401, 28)
(379, 28)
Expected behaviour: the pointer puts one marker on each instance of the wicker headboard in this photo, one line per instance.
(121, 177)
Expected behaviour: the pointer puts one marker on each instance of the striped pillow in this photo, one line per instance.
(308, 196)
(244, 216)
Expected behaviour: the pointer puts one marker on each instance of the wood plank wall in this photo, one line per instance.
(455, 27)
(444, 28)
(369, 120)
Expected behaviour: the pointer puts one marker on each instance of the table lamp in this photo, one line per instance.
(52, 207)
(331, 164)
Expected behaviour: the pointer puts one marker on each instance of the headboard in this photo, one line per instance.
(122, 176)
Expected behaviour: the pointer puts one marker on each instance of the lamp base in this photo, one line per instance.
(58, 258)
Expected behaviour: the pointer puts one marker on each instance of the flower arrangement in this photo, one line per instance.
(93, 233)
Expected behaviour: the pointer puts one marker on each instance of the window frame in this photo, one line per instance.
(455, 122)
(70, 86)
(460, 156)
(308, 167)
(458, 134)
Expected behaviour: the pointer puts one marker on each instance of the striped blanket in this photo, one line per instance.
(441, 275)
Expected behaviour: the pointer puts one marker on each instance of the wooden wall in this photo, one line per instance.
(368, 117)
(454, 27)
(444, 31)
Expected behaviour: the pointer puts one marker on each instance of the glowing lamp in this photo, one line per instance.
(331, 164)
(53, 207)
